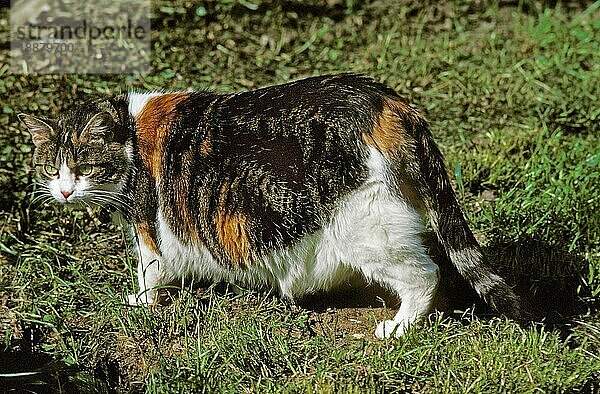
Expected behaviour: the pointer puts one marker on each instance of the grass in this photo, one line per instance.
(512, 97)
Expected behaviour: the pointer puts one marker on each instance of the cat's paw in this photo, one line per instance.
(389, 328)
(139, 299)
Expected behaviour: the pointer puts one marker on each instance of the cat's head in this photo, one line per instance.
(84, 154)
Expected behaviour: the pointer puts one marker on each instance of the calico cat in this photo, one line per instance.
(295, 187)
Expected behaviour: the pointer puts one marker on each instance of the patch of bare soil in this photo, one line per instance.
(351, 313)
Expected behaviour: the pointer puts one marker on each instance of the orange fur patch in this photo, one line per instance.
(182, 188)
(232, 232)
(390, 137)
(152, 127)
(147, 235)
(388, 134)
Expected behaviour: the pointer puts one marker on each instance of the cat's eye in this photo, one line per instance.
(50, 170)
(86, 169)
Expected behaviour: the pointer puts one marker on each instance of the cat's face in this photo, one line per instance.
(83, 155)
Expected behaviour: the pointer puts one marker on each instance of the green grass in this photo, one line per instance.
(512, 96)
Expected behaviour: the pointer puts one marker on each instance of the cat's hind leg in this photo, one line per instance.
(381, 238)
(413, 277)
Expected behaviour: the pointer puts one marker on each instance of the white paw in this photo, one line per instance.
(389, 328)
(139, 299)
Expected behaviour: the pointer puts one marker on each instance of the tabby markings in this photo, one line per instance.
(181, 187)
(206, 146)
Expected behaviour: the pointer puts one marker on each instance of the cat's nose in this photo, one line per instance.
(66, 194)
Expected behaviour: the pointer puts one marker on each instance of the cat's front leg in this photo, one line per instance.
(149, 265)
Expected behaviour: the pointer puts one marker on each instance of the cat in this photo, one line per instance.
(295, 187)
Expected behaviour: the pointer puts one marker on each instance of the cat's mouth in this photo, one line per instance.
(66, 195)
(69, 199)
(77, 202)
(105, 196)
(73, 197)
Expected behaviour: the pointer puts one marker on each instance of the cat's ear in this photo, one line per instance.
(99, 129)
(107, 106)
(39, 129)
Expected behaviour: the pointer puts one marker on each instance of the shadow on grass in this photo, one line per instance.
(547, 279)
(26, 368)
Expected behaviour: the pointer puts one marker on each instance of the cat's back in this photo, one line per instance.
(328, 94)
(336, 107)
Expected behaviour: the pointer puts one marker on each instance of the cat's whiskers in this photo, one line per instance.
(98, 198)
(115, 196)
(96, 202)
(111, 199)
(41, 194)
(37, 185)
(32, 184)
(41, 200)
(39, 197)
(89, 205)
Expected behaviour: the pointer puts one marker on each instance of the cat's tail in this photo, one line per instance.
(453, 232)
(423, 179)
